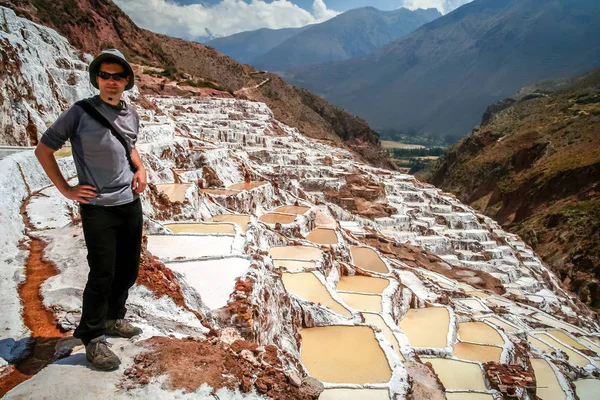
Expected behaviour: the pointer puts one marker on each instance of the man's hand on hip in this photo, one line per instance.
(139, 181)
(80, 193)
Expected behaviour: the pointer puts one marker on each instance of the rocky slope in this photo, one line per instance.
(439, 79)
(93, 25)
(534, 166)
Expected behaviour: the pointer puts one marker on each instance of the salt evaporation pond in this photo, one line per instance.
(214, 280)
(366, 302)
(292, 209)
(344, 354)
(201, 228)
(294, 265)
(477, 352)
(220, 192)
(181, 247)
(556, 323)
(567, 339)
(500, 323)
(355, 394)
(174, 191)
(367, 258)
(363, 284)
(468, 396)
(547, 384)
(246, 185)
(377, 320)
(323, 236)
(272, 218)
(456, 374)
(587, 389)
(241, 220)
(479, 332)
(307, 286)
(574, 358)
(426, 327)
(296, 252)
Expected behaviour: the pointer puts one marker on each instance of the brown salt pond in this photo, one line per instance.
(548, 387)
(220, 192)
(426, 327)
(468, 396)
(366, 258)
(367, 302)
(294, 265)
(477, 352)
(323, 220)
(272, 218)
(299, 210)
(307, 286)
(201, 228)
(344, 354)
(479, 332)
(241, 220)
(377, 320)
(587, 389)
(174, 191)
(323, 236)
(362, 284)
(574, 357)
(456, 374)
(246, 185)
(306, 253)
(355, 394)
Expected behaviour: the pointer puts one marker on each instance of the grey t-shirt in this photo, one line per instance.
(99, 157)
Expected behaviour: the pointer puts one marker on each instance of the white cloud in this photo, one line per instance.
(222, 19)
(444, 6)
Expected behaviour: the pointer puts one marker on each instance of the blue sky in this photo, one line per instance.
(197, 19)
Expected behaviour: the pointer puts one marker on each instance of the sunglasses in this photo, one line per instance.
(117, 77)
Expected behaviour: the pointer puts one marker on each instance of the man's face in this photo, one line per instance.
(111, 88)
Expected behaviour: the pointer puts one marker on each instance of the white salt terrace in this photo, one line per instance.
(174, 191)
(196, 227)
(186, 247)
(305, 253)
(587, 389)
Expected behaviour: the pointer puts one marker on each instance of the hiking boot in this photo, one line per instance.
(121, 327)
(98, 353)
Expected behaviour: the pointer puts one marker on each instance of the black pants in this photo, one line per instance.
(113, 236)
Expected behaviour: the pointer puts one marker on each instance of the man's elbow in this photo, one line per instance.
(41, 151)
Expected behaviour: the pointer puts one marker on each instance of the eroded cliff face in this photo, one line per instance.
(257, 281)
(534, 166)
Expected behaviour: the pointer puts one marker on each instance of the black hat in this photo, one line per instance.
(110, 55)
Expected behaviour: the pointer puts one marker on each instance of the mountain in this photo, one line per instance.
(245, 47)
(93, 25)
(351, 34)
(534, 166)
(439, 79)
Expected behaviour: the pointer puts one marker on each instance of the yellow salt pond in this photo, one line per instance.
(307, 253)
(368, 302)
(344, 354)
(574, 358)
(426, 327)
(367, 258)
(354, 394)
(363, 284)
(271, 218)
(456, 374)
(174, 191)
(481, 295)
(591, 344)
(246, 185)
(556, 323)
(201, 228)
(548, 387)
(323, 236)
(539, 344)
(220, 192)
(468, 396)
(587, 389)
(307, 286)
(292, 209)
(567, 339)
(294, 265)
(500, 323)
(479, 332)
(241, 220)
(377, 320)
(477, 352)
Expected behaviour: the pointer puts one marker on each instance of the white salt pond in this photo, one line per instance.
(323, 236)
(272, 218)
(547, 384)
(366, 258)
(479, 332)
(241, 220)
(365, 302)
(362, 284)
(294, 265)
(355, 394)
(201, 228)
(181, 247)
(344, 354)
(174, 191)
(214, 280)
(426, 327)
(477, 352)
(306, 253)
(456, 374)
(377, 320)
(307, 286)
(587, 389)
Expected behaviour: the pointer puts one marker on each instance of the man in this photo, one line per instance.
(108, 193)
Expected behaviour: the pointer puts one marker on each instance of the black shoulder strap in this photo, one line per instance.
(92, 112)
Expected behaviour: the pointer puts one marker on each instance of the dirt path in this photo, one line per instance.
(245, 89)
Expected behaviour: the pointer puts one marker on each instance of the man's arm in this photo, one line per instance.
(46, 157)
(139, 179)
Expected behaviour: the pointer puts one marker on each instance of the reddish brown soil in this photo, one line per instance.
(418, 257)
(191, 362)
(211, 177)
(361, 196)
